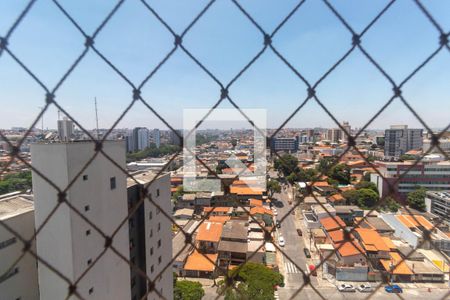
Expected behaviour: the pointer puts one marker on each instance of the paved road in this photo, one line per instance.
(294, 244)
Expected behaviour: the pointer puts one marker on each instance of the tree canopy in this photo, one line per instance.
(364, 198)
(15, 182)
(366, 185)
(188, 290)
(416, 199)
(340, 173)
(286, 164)
(255, 282)
(153, 151)
(273, 186)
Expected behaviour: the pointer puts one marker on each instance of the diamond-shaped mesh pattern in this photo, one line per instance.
(49, 94)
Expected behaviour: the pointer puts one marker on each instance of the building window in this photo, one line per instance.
(158, 210)
(159, 243)
(159, 226)
(157, 192)
(89, 261)
(91, 290)
(159, 260)
(112, 183)
(150, 215)
(131, 223)
(8, 242)
(85, 177)
(151, 232)
(88, 232)
(152, 269)
(131, 243)
(87, 208)
(151, 251)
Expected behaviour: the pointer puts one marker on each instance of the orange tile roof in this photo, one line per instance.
(346, 188)
(401, 269)
(371, 240)
(355, 162)
(337, 236)
(220, 219)
(321, 183)
(176, 179)
(209, 231)
(389, 242)
(329, 224)
(223, 209)
(336, 197)
(173, 189)
(245, 190)
(198, 262)
(410, 221)
(350, 249)
(260, 210)
(255, 202)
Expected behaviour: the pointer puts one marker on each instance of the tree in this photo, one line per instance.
(390, 204)
(254, 281)
(188, 290)
(407, 157)
(367, 185)
(291, 178)
(341, 173)
(416, 199)
(179, 192)
(15, 182)
(286, 164)
(325, 165)
(367, 198)
(273, 186)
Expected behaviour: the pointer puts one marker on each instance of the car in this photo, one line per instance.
(299, 232)
(365, 288)
(307, 253)
(275, 212)
(281, 242)
(345, 287)
(278, 224)
(393, 289)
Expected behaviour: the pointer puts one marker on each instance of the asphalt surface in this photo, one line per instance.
(294, 244)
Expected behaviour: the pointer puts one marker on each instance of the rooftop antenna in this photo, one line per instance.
(96, 115)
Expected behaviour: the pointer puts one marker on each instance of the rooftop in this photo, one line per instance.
(210, 231)
(235, 230)
(14, 206)
(231, 246)
(415, 221)
(396, 265)
(330, 224)
(201, 262)
(371, 240)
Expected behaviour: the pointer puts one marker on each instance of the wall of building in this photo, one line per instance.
(22, 281)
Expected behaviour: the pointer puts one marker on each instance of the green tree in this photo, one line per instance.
(364, 198)
(325, 165)
(188, 290)
(407, 157)
(286, 164)
(179, 192)
(341, 173)
(367, 185)
(273, 186)
(291, 178)
(153, 151)
(254, 281)
(416, 199)
(15, 182)
(390, 204)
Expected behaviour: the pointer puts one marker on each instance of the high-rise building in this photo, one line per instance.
(129, 140)
(65, 129)
(156, 134)
(19, 281)
(141, 137)
(334, 135)
(347, 128)
(284, 144)
(399, 139)
(67, 241)
(175, 137)
(150, 235)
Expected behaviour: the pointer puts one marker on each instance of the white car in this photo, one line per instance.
(275, 212)
(345, 287)
(365, 288)
(281, 242)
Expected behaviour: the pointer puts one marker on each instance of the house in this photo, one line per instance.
(262, 214)
(200, 265)
(203, 199)
(349, 251)
(348, 213)
(183, 214)
(186, 201)
(217, 211)
(323, 211)
(376, 223)
(373, 244)
(319, 236)
(331, 224)
(396, 268)
(208, 236)
(337, 199)
(233, 243)
(255, 203)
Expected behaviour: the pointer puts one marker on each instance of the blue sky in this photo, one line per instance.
(224, 40)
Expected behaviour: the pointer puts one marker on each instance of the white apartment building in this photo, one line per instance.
(399, 139)
(438, 203)
(65, 129)
(156, 137)
(21, 281)
(142, 138)
(151, 244)
(66, 241)
(444, 144)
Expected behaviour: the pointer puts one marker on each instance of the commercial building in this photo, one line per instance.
(438, 203)
(141, 138)
(399, 139)
(429, 175)
(444, 144)
(334, 135)
(156, 135)
(18, 281)
(68, 241)
(65, 129)
(150, 234)
(284, 144)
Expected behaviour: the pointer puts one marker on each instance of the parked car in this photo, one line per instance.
(345, 287)
(278, 224)
(299, 232)
(275, 212)
(365, 288)
(281, 242)
(393, 289)
(307, 253)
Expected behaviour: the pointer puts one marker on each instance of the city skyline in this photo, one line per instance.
(312, 41)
